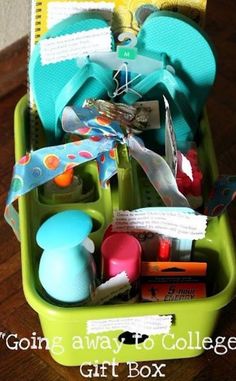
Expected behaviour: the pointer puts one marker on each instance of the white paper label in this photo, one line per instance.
(113, 287)
(75, 45)
(184, 165)
(58, 11)
(170, 141)
(173, 224)
(149, 325)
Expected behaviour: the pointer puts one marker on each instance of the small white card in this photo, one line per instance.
(58, 11)
(75, 45)
(185, 165)
(170, 141)
(115, 286)
(145, 325)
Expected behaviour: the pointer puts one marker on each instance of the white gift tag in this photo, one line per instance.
(145, 325)
(184, 165)
(170, 141)
(75, 45)
(58, 11)
(173, 224)
(113, 287)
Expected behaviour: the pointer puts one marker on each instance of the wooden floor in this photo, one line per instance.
(17, 317)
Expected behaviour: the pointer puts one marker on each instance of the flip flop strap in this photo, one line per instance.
(90, 70)
(171, 83)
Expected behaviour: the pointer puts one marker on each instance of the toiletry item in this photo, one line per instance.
(66, 188)
(67, 268)
(149, 242)
(65, 179)
(122, 252)
(181, 250)
(179, 224)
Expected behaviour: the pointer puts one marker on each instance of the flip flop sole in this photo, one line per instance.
(47, 81)
(188, 49)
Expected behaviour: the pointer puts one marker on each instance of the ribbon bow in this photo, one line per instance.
(101, 135)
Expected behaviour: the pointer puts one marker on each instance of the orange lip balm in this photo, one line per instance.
(65, 179)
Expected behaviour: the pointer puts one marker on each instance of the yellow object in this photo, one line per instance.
(123, 19)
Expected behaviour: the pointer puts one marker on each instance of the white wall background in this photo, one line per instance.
(14, 21)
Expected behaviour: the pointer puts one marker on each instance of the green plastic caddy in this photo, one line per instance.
(60, 324)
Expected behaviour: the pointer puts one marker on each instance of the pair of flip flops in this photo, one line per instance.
(184, 46)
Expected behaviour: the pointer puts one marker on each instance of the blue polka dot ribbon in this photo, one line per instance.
(98, 137)
(222, 194)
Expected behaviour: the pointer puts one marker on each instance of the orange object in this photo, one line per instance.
(180, 269)
(173, 281)
(168, 292)
(65, 179)
(164, 249)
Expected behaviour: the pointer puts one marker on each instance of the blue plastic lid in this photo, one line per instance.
(64, 230)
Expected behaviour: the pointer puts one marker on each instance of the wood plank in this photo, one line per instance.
(13, 66)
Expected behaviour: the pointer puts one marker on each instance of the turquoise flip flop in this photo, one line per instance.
(186, 48)
(63, 83)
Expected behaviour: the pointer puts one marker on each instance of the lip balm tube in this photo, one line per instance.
(122, 252)
(66, 188)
